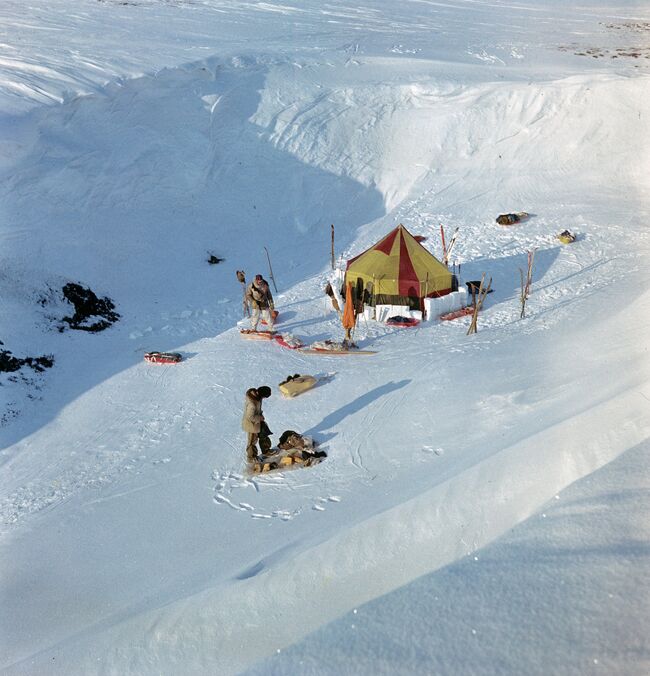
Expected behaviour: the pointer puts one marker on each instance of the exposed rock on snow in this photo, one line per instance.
(91, 313)
(10, 364)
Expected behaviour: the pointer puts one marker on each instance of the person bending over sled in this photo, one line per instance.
(258, 296)
(253, 422)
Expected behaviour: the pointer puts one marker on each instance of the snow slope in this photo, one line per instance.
(141, 137)
(566, 560)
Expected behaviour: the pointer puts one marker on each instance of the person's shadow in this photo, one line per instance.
(319, 432)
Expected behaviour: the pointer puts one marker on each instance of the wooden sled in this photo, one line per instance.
(162, 357)
(512, 218)
(334, 353)
(456, 314)
(296, 385)
(249, 334)
(331, 347)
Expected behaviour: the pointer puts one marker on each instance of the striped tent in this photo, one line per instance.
(398, 270)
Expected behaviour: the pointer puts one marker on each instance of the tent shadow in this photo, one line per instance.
(320, 431)
(505, 272)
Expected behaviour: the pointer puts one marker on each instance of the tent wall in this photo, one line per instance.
(398, 270)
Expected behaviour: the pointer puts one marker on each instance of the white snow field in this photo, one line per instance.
(484, 505)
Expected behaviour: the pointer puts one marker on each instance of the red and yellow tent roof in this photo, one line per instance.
(399, 267)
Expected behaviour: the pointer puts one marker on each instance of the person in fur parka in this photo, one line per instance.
(253, 419)
(260, 299)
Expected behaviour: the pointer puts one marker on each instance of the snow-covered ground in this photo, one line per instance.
(558, 594)
(138, 138)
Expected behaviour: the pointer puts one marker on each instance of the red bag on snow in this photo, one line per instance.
(402, 321)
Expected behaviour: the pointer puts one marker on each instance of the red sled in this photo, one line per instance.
(456, 314)
(274, 314)
(289, 341)
(402, 321)
(162, 357)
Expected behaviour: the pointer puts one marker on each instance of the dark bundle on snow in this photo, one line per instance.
(508, 219)
(214, 260)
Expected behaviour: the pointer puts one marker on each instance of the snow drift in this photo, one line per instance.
(130, 474)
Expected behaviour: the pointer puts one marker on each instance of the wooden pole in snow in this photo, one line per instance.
(445, 258)
(426, 294)
(525, 286)
(444, 246)
(270, 269)
(482, 292)
(333, 265)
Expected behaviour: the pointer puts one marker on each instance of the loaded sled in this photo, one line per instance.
(163, 357)
(402, 322)
(294, 450)
(512, 218)
(297, 384)
(456, 314)
(566, 237)
(332, 348)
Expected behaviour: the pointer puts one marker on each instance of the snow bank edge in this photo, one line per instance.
(227, 630)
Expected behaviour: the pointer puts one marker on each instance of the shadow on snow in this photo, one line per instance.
(127, 190)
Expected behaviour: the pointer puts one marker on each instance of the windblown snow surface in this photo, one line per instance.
(484, 506)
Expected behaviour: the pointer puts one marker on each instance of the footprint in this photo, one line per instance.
(251, 572)
(319, 508)
(282, 514)
(223, 500)
(334, 498)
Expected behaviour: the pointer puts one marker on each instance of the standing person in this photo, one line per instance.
(253, 418)
(259, 297)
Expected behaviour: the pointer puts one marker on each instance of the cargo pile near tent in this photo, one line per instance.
(398, 270)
